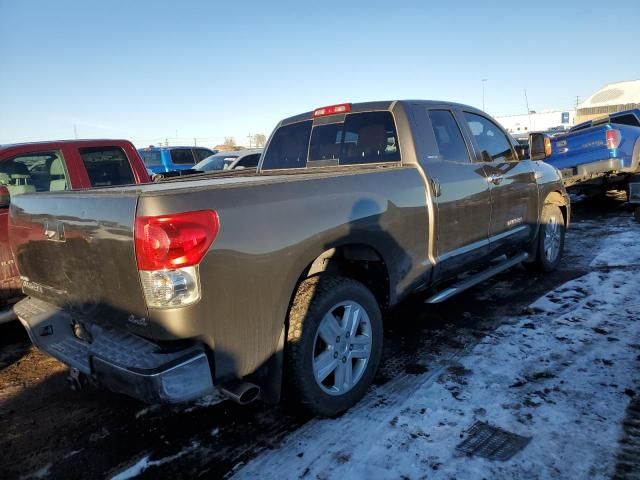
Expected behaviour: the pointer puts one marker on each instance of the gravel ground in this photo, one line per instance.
(49, 431)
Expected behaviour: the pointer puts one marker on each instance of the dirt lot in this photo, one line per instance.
(50, 431)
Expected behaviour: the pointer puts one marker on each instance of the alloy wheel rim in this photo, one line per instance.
(552, 239)
(342, 348)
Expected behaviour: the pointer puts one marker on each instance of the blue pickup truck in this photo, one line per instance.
(171, 159)
(597, 153)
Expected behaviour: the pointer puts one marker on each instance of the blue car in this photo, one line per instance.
(170, 159)
(600, 151)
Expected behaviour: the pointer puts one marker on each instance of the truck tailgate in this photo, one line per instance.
(580, 147)
(76, 250)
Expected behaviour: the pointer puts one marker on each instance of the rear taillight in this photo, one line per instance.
(174, 241)
(168, 251)
(613, 139)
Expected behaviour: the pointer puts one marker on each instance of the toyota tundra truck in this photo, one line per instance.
(242, 283)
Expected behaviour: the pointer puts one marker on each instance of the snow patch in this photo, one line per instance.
(145, 462)
(557, 375)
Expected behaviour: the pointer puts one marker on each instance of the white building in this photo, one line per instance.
(521, 125)
(613, 97)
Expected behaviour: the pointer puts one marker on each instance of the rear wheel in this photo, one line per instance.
(334, 343)
(550, 243)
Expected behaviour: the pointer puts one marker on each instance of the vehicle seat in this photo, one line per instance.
(20, 180)
(372, 143)
(58, 180)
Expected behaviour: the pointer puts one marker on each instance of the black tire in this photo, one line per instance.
(316, 296)
(542, 262)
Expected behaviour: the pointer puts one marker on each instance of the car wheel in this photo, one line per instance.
(334, 343)
(550, 242)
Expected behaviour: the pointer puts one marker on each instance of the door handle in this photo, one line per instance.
(495, 179)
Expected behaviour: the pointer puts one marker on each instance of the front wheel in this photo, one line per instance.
(550, 242)
(334, 343)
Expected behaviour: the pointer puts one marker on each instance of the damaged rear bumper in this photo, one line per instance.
(121, 361)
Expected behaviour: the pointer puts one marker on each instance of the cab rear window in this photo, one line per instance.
(361, 138)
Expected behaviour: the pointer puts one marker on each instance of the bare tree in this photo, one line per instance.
(259, 139)
(230, 142)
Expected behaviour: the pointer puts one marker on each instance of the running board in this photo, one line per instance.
(476, 279)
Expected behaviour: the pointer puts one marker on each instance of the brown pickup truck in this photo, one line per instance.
(169, 291)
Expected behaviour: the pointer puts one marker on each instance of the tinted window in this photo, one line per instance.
(36, 172)
(182, 156)
(489, 138)
(628, 119)
(369, 138)
(326, 142)
(250, 161)
(289, 146)
(107, 166)
(151, 158)
(202, 153)
(448, 136)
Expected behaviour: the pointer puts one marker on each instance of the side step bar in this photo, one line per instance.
(476, 279)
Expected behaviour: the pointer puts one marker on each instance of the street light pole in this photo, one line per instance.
(484, 80)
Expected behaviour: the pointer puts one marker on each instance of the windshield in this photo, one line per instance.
(215, 162)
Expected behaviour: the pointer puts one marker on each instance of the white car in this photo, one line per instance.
(233, 160)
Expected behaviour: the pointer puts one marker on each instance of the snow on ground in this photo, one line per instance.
(557, 374)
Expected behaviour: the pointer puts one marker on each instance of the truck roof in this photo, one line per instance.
(60, 143)
(376, 105)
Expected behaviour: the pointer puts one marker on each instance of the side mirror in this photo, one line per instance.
(539, 146)
(522, 151)
(5, 197)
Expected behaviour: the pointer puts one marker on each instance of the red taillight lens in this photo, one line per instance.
(174, 241)
(332, 110)
(613, 138)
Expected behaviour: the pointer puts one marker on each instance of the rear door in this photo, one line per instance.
(460, 189)
(512, 184)
(27, 172)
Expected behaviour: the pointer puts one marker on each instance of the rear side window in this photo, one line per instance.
(182, 156)
(107, 166)
(493, 143)
(362, 138)
(34, 172)
(628, 119)
(151, 158)
(448, 136)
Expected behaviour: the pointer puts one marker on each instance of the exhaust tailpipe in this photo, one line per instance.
(240, 391)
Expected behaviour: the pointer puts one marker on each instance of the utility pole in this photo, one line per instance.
(528, 111)
(195, 142)
(75, 131)
(250, 137)
(484, 80)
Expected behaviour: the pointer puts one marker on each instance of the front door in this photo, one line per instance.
(460, 193)
(512, 182)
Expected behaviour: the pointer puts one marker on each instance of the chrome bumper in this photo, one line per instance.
(121, 361)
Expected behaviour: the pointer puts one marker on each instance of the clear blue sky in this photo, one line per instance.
(148, 69)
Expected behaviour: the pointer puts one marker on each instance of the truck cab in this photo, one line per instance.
(56, 166)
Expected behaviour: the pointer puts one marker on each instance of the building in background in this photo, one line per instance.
(613, 97)
(520, 125)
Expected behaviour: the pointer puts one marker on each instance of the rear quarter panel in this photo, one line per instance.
(270, 233)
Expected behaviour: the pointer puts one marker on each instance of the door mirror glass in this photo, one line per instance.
(539, 146)
(5, 197)
(522, 151)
